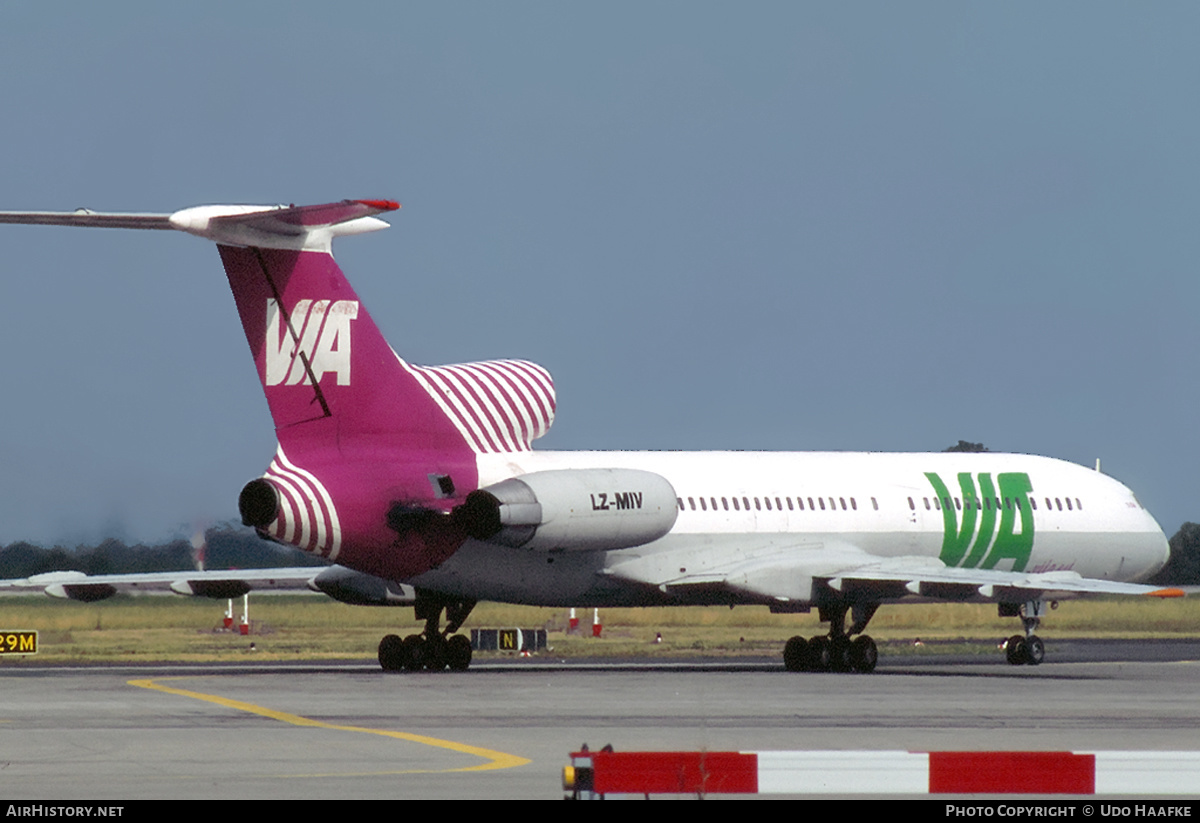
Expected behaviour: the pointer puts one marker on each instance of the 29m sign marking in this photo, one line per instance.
(22, 642)
(979, 540)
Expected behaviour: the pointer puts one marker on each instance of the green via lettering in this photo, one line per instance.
(965, 545)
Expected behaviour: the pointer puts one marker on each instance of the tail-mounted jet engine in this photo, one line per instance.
(258, 504)
(572, 509)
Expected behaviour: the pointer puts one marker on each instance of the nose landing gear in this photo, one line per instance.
(1028, 650)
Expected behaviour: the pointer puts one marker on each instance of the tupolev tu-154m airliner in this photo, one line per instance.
(424, 480)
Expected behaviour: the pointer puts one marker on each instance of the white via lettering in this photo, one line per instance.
(323, 330)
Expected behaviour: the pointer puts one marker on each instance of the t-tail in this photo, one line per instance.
(373, 451)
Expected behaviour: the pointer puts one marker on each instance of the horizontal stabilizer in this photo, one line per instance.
(287, 227)
(283, 227)
(85, 217)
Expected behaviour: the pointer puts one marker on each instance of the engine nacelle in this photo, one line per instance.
(258, 503)
(572, 509)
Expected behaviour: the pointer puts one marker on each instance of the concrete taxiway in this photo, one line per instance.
(504, 730)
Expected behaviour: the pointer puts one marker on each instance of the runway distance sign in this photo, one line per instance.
(18, 642)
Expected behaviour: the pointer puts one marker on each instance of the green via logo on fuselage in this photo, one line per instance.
(965, 545)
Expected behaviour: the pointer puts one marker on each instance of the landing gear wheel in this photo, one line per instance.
(392, 656)
(1035, 650)
(458, 653)
(1014, 650)
(839, 654)
(819, 654)
(864, 654)
(795, 654)
(414, 646)
(434, 649)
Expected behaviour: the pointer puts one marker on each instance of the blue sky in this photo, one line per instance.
(770, 226)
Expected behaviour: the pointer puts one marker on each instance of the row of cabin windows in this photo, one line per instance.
(986, 503)
(793, 504)
(743, 503)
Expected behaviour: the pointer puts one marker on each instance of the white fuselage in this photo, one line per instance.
(763, 525)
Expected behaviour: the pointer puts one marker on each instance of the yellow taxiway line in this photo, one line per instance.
(494, 759)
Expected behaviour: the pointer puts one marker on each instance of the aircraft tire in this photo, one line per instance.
(864, 654)
(795, 654)
(1035, 650)
(392, 653)
(434, 651)
(458, 653)
(839, 654)
(819, 654)
(1014, 650)
(414, 645)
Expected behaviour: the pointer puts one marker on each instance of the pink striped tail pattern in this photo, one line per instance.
(497, 405)
(306, 517)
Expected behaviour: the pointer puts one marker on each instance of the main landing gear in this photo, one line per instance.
(1028, 650)
(432, 650)
(835, 652)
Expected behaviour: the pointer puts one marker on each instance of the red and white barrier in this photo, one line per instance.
(594, 774)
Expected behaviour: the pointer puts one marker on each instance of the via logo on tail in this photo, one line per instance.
(313, 340)
(966, 545)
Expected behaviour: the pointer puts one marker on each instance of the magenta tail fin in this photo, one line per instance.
(320, 357)
(323, 362)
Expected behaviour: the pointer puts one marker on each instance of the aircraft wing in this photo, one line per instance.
(929, 578)
(338, 582)
(796, 573)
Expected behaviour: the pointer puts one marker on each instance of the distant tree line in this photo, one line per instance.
(228, 547)
(966, 446)
(1183, 569)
